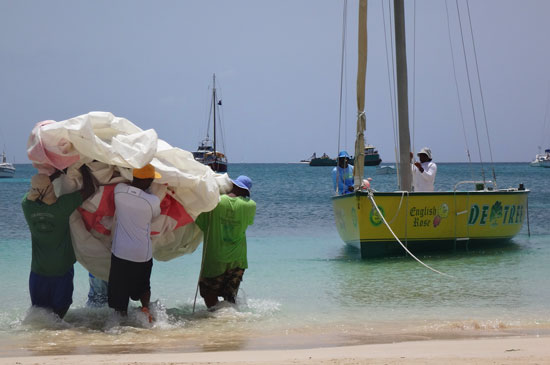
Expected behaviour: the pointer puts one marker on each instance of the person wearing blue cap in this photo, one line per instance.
(342, 175)
(224, 247)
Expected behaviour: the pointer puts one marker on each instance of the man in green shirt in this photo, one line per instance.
(224, 249)
(51, 277)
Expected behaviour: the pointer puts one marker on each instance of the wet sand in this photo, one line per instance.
(509, 350)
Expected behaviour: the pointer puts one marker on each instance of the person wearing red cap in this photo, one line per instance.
(132, 249)
(224, 247)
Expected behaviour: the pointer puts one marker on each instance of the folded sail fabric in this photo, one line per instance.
(111, 147)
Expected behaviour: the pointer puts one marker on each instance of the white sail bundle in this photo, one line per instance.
(111, 147)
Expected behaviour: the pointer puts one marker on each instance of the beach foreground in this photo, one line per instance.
(518, 350)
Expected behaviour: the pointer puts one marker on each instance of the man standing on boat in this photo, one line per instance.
(424, 171)
(224, 247)
(132, 250)
(342, 175)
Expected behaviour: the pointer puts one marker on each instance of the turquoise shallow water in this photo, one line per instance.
(304, 287)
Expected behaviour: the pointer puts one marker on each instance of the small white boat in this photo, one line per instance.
(6, 169)
(385, 170)
(542, 159)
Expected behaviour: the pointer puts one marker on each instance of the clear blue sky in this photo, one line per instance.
(278, 67)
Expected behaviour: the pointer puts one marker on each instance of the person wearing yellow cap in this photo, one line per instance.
(132, 249)
(52, 272)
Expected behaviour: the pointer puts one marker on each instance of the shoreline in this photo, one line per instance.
(510, 350)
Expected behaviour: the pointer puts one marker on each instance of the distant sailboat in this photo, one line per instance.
(207, 152)
(6, 169)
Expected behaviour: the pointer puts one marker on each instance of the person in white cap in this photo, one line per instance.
(424, 171)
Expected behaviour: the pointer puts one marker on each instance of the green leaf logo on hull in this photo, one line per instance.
(375, 218)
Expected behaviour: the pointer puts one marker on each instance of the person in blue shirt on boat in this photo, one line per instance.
(342, 175)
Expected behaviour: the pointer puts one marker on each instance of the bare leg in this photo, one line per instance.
(145, 298)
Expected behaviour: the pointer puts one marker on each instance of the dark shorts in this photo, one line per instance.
(225, 285)
(54, 292)
(127, 279)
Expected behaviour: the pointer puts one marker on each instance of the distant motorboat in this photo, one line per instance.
(542, 159)
(372, 158)
(6, 169)
(324, 160)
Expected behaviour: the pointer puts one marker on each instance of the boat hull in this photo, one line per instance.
(218, 166)
(429, 221)
(322, 162)
(6, 172)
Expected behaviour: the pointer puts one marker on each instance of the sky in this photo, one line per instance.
(277, 66)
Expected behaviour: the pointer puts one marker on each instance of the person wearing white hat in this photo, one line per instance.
(424, 171)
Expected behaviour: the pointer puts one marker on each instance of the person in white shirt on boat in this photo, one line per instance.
(342, 175)
(424, 171)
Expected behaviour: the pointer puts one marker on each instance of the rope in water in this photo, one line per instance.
(371, 198)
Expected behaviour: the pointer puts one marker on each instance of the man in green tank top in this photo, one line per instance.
(224, 249)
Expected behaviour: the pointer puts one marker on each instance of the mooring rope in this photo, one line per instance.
(371, 198)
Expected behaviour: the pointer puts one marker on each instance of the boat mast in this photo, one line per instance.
(359, 163)
(405, 173)
(214, 108)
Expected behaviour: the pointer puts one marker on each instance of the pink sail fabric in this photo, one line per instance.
(48, 154)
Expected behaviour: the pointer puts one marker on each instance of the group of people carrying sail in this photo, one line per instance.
(51, 277)
(423, 173)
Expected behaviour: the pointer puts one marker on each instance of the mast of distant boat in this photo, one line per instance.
(214, 108)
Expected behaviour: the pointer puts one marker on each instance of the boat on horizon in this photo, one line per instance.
(308, 160)
(382, 223)
(371, 158)
(541, 159)
(6, 168)
(207, 152)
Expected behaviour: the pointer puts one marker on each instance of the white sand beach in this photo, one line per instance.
(516, 350)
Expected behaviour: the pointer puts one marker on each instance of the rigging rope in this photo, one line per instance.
(470, 89)
(414, 79)
(221, 118)
(458, 92)
(391, 82)
(342, 61)
(544, 122)
(371, 198)
(481, 93)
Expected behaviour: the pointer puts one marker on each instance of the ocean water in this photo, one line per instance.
(304, 287)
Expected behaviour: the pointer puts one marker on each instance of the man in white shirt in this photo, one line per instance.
(424, 171)
(132, 249)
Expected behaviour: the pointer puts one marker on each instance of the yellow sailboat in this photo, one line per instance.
(375, 222)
